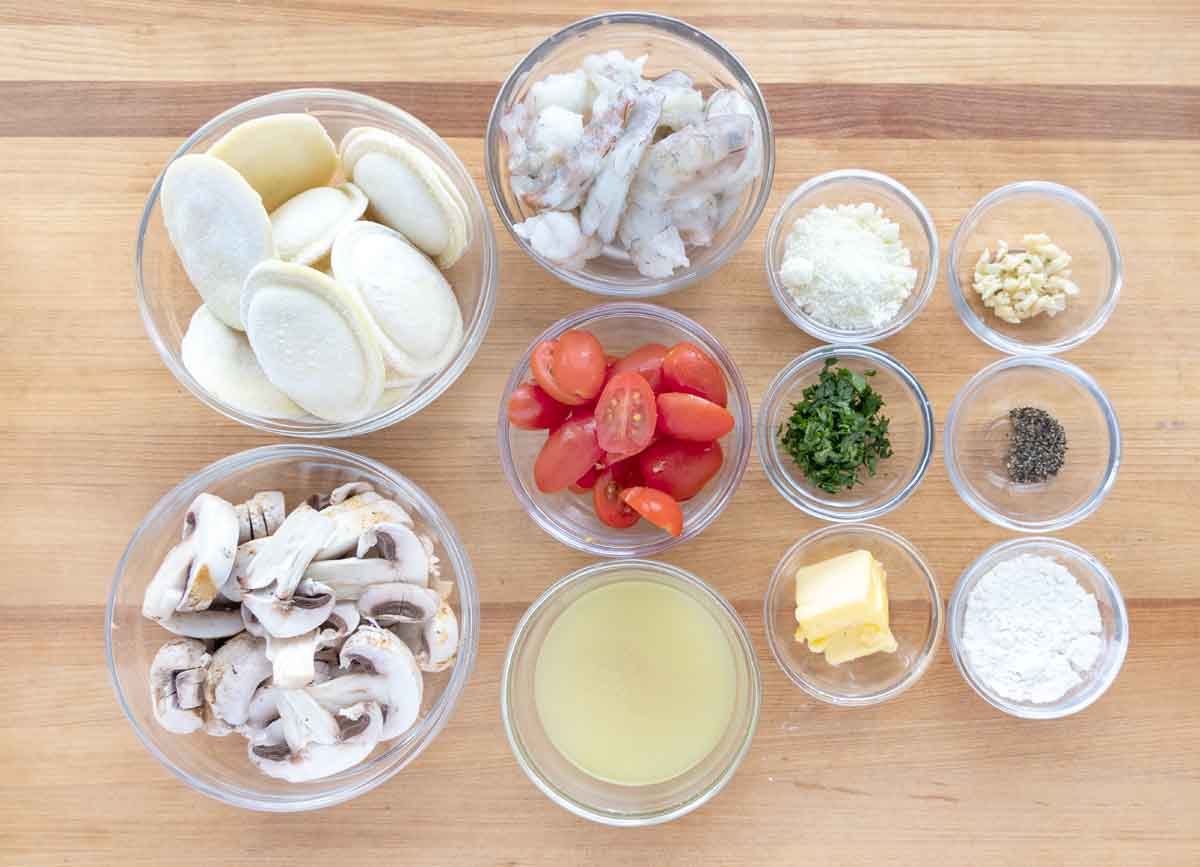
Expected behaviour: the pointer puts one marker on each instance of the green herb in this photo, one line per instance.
(837, 429)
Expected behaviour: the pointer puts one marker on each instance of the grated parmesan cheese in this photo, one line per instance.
(847, 268)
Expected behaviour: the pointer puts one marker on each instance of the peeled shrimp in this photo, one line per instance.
(556, 236)
(682, 104)
(724, 103)
(609, 73)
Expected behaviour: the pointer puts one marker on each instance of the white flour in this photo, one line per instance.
(1030, 630)
(847, 267)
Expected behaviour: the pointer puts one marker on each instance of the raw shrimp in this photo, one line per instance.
(606, 199)
(682, 104)
(556, 236)
(725, 103)
(696, 218)
(544, 141)
(567, 90)
(515, 126)
(609, 73)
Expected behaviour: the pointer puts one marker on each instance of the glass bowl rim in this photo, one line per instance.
(696, 37)
(1114, 597)
(1058, 365)
(783, 297)
(439, 713)
(745, 418)
(768, 453)
(990, 335)
(749, 658)
(924, 658)
(475, 330)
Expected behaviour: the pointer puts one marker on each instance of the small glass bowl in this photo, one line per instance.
(976, 443)
(671, 44)
(569, 517)
(1073, 223)
(915, 611)
(910, 431)
(579, 792)
(1094, 578)
(219, 767)
(846, 187)
(167, 298)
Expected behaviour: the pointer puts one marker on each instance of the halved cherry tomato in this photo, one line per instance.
(586, 482)
(531, 408)
(646, 360)
(606, 500)
(571, 368)
(688, 417)
(689, 369)
(626, 414)
(680, 468)
(658, 508)
(569, 452)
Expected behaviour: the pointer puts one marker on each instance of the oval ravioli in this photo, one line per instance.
(408, 191)
(305, 225)
(218, 227)
(414, 310)
(222, 361)
(280, 155)
(313, 340)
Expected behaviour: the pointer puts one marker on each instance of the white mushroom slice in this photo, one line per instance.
(398, 603)
(355, 516)
(213, 623)
(271, 505)
(211, 526)
(343, 620)
(293, 659)
(215, 726)
(245, 532)
(237, 668)
(314, 340)
(408, 191)
(416, 317)
(440, 640)
(303, 611)
(401, 557)
(359, 731)
(305, 225)
(399, 545)
(258, 523)
(305, 721)
(189, 688)
(250, 621)
(344, 492)
(283, 557)
(178, 713)
(279, 155)
(385, 658)
(219, 228)
(221, 360)
(322, 502)
(246, 552)
(166, 588)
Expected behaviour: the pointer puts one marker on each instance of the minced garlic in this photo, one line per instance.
(1019, 284)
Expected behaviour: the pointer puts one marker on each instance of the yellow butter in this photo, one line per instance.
(842, 607)
(851, 644)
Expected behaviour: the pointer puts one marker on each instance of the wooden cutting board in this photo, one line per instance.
(951, 98)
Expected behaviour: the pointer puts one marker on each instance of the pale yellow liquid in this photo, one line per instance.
(635, 682)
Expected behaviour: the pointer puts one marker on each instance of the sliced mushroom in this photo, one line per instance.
(211, 525)
(215, 726)
(213, 623)
(251, 622)
(302, 612)
(388, 675)
(166, 587)
(178, 662)
(236, 670)
(293, 659)
(398, 603)
(399, 545)
(358, 726)
(260, 516)
(283, 556)
(343, 620)
(344, 492)
(246, 552)
(258, 523)
(434, 643)
(189, 688)
(263, 708)
(245, 532)
(353, 517)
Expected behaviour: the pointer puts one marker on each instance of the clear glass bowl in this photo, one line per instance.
(671, 44)
(219, 767)
(852, 187)
(575, 790)
(976, 443)
(915, 611)
(1094, 578)
(1072, 222)
(910, 431)
(167, 298)
(569, 517)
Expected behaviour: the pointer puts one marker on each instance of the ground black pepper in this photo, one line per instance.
(1038, 445)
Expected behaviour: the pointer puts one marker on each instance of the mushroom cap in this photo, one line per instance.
(386, 658)
(166, 588)
(211, 525)
(398, 602)
(343, 620)
(399, 545)
(353, 517)
(440, 639)
(270, 752)
(237, 668)
(305, 611)
(351, 489)
(213, 623)
(173, 659)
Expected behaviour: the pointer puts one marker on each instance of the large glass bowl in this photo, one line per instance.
(569, 517)
(671, 44)
(167, 298)
(579, 792)
(219, 767)
(976, 437)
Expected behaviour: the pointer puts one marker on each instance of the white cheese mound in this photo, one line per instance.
(847, 268)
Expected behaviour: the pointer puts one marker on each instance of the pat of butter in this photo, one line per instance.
(842, 607)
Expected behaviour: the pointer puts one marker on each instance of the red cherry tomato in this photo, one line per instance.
(606, 500)
(571, 368)
(658, 508)
(531, 408)
(680, 468)
(584, 483)
(689, 369)
(626, 415)
(646, 360)
(688, 417)
(569, 452)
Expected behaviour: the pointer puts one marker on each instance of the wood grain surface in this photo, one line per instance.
(952, 98)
